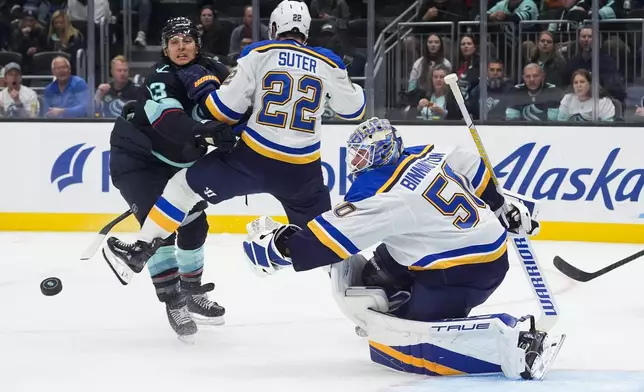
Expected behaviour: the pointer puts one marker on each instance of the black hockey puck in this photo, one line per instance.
(51, 286)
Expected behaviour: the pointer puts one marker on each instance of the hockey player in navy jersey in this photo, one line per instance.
(286, 83)
(156, 137)
(442, 226)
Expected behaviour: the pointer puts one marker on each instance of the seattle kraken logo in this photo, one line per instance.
(532, 113)
(577, 118)
(68, 168)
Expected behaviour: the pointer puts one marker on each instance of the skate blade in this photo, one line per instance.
(121, 270)
(188, 339)
(202, 320)
(542, 364)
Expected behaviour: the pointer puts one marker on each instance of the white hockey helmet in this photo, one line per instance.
(290, 16)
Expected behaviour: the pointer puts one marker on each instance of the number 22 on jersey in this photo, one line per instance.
(280, 90)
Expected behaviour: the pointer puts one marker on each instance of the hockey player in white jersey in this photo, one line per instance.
(443, 248)
(285, 83)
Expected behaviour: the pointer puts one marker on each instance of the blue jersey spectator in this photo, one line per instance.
(67, 96)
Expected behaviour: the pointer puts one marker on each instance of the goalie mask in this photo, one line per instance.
(374, 143)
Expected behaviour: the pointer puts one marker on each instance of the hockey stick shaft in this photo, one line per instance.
(582, 276)
(522, 245)
(93, 247)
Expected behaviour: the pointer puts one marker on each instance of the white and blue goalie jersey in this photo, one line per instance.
(287, 84)
(428, 209)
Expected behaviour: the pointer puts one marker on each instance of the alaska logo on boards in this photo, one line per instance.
(68, 167)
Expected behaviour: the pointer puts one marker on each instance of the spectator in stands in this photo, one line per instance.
(44, 9)
(513, 11)
(3, 82)
(509, 13)
(111, 97)
(63, 36)
(608, 72)
(436, 100)
(144, 9)
(67, 96)
(77, 10)
(546, 55)
(497, 87)
(572, 14)
(214, 39)
(435, 11)
(5, 33)
(639, 111)
(468, 68)
(534, 99)
(243, 35)
(433, 54)
(332, 10)
(577, 11)
(579, 105)
(332, 39)
(28, 38)
(17, 100)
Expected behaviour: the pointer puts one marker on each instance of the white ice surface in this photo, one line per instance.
(282, 333)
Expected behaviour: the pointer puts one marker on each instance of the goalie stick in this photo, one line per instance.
(522, 246)
(581, 276)
(93, 247)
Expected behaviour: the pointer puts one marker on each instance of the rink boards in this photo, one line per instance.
(589, 180)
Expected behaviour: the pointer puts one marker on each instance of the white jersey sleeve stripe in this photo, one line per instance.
(356, 115)
(474, 254)
(327, 240)
(220, 111)
(478, 191)
(265, 147)
(481, 179)
(330, 236)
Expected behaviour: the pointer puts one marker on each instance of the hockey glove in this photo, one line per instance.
(197, 81)
(516, 218)
(266, 250)
(215, 133)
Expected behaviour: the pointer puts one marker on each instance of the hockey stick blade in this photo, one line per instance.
(582, 276)
(93, 247)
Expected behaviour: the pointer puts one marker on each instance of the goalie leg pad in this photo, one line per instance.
(474, 345)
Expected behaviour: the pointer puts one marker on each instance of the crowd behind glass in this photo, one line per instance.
(538, 66)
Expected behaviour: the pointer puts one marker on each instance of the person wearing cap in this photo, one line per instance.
(17, 100)
(29, 36)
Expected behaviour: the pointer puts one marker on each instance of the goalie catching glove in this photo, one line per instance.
(265, 246)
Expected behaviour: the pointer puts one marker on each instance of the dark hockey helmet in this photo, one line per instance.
(179, 26)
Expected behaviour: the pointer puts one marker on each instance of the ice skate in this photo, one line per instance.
(125, 259)
(180, 320)
(541, 351)
(201, 308)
